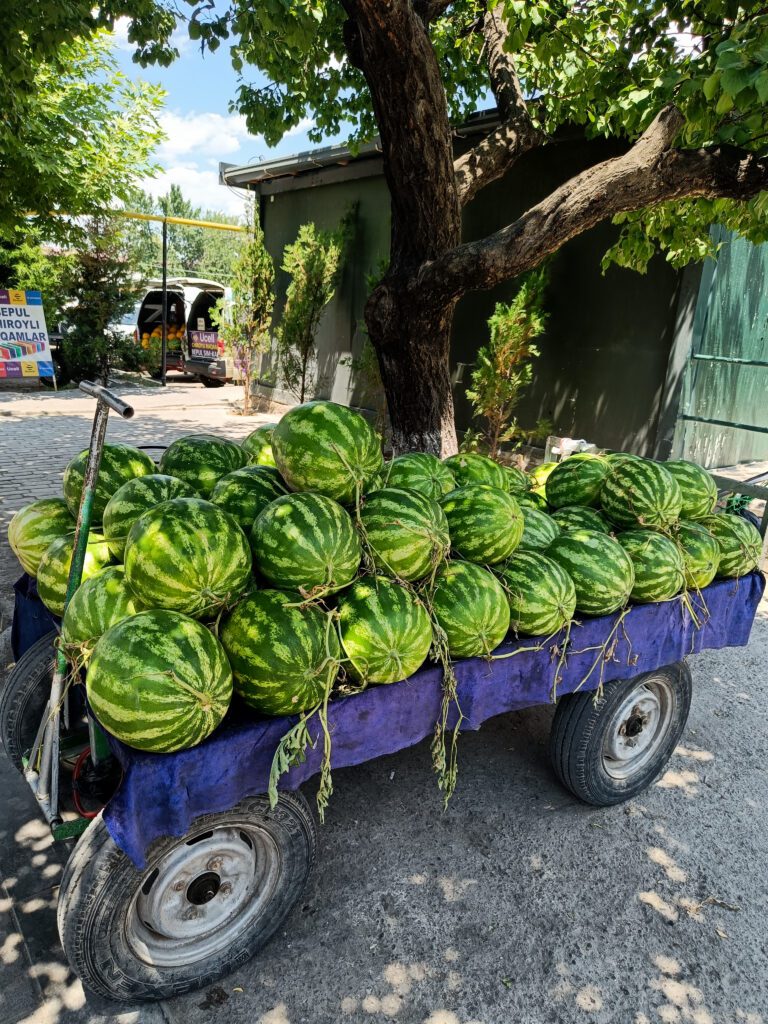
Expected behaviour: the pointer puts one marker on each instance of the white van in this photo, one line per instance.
(193, 344)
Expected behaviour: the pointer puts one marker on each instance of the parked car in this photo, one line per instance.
(193, 344)
(126, 325)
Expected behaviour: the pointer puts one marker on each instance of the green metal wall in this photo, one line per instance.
(605, 352)
(730, 322)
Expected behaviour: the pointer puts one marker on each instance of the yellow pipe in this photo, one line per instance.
(159, 218)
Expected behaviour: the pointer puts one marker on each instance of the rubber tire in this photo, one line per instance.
(578, 730)
(100, 881)
(211, 382)
(23, 699)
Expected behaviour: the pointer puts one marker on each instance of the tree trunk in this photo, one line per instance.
(412, 344)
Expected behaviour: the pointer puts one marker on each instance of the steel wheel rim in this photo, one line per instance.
(637, 728)
(202, 895)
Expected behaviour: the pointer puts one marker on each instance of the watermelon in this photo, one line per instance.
(327, 448)
(473, 468)
(471, 608)
(697, 488)
(201, 460)
(485, 524)
(385, 630)
(539, 529)
(283, 656)
(540, 593)
(258, 445)
(100, 602)
(600, 568)
(576, 480)
(306, 542)
(119, 463)
(537, 477)
(578, 517)
(53, 570)
(247, 492)
(34, 528)
(159, 681)
(638, 492)
(406, 532)
(739, 541)
(187, 555)
(612, 458)
(700, 551)
(133, 499)
(422, 472)
(658, 564)
(533, 500)
(517, 480)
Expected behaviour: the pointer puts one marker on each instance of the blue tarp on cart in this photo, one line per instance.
(162, 794)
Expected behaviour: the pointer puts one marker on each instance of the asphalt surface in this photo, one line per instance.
(515, 906)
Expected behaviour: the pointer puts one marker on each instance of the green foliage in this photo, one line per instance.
(77, 141)
(32, 264)
(504, 368)
(243, 323)
(186, 245)
(314, 262)
(101, 286)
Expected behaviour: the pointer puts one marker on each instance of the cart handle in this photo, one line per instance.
(107, 397)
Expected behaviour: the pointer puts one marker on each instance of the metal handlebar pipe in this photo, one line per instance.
(107, 397)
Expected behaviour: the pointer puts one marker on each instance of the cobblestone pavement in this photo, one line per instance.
(516, 906)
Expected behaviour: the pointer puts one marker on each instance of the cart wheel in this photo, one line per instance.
(203, 906)
(24, 696)
(609, 750)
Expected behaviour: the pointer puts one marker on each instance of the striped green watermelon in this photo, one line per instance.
(119, 463)
(600, 568)
(474, 468)
(538, 476)
(485, 524)
(100, 602)
(283, 655)
(579, 517)
(34, 528)
(306, 542)
(327, 448)
(407, 533)
(247, 492)
(422, 472)
(517, 480)
(53, 570)
(133, 499)
(612, 458)
(739, 541)
(539, 529)
(540, 593)
(159, 681)
(576, 480)
(533, 500)
(385, 630)
(700, 551)
(638, 492)
(697, 488)
(187, 555)
(258, 445)
(658, 564)
(471, 608)
(202, 459)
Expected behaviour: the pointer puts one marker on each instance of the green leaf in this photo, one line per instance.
(711, 85)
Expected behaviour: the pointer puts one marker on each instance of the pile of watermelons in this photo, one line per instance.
(299, 558)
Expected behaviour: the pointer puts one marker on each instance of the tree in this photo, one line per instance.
(185, 244)
(683, 83)
(503, 369)
(101, 286)
(313, 262)
(220, 248)
(243, 323)
(77, 143)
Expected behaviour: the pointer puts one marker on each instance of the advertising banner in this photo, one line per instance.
(25, 350)
(204, 345)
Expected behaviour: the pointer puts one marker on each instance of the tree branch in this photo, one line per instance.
(493, 157)
(650, 172)
(428, 10)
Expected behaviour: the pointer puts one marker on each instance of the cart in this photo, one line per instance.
(188, 871)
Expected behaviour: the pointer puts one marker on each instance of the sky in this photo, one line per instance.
(201, 131)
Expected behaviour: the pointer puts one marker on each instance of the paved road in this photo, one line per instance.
(517, 906)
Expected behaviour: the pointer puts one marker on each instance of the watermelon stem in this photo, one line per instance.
(607, 652)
